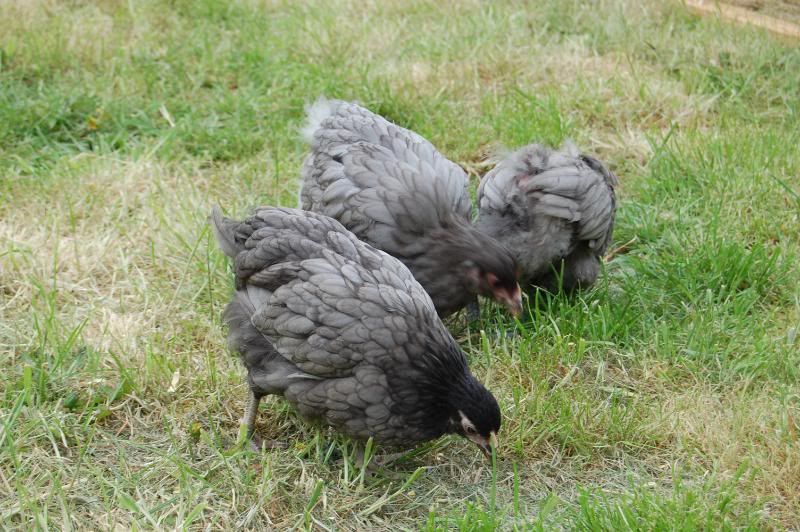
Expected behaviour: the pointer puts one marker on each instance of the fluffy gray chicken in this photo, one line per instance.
(345, 333)
(395, 191)
(550, 206)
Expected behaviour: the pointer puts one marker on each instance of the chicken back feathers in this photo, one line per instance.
(343, 331)
(547, 206)
(394, 190)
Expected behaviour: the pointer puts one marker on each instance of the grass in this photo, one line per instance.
(665, 398)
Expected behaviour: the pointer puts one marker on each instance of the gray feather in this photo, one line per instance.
(395, 191)
(550, 206)
(339, 328)
(223, 231)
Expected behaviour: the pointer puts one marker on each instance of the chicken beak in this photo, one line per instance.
(513, 302)
(488, 446)
(487, 452)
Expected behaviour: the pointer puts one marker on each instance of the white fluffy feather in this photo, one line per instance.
(321, 109)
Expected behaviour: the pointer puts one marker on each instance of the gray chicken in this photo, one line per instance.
(345, 334)
(395, 191)
(550, 206)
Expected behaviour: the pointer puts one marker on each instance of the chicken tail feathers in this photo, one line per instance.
(225, 231)
(318, 111)
(609, 176)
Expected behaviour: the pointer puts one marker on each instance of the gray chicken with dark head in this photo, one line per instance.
(395, 191)
(345, 334)
(549, 206)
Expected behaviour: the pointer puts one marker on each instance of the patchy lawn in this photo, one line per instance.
(665, 398)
